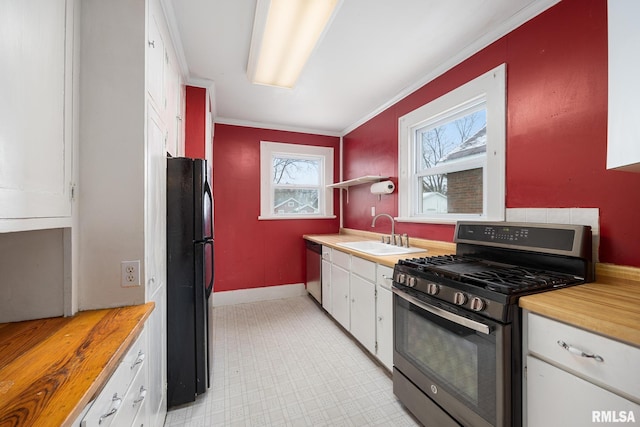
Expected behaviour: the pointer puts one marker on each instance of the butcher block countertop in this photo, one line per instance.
(609, 306)
(432, 247)
(51, 368)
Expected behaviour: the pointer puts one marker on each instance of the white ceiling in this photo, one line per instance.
(374, 53)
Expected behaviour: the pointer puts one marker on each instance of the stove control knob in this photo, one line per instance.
(459, 298)
(477, 304)
(401, 278)
(412, 281)
(433, 289)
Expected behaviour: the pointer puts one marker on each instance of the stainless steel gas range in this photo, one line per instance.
(457, 325)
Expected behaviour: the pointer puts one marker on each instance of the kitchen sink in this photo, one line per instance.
(373, 247)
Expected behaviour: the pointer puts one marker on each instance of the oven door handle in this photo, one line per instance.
(460, 320)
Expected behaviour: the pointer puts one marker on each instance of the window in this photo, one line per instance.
(293, 181)
(452, 154)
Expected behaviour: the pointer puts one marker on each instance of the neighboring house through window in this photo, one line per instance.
(293, 180)
(452, 154)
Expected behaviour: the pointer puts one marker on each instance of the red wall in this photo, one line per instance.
(251, 253)
(196, 105)
(556, 130)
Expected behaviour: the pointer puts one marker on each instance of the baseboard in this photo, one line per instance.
(242, 296)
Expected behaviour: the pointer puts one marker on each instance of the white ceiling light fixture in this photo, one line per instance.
(285, 32)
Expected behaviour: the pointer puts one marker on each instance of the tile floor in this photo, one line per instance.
(286, 363)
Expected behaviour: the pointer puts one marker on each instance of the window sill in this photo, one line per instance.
(290, 217)
(445, 220)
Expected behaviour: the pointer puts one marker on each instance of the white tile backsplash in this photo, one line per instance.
(559, 216)
(586, 216)
(517, 215)
(575, 216)
(537, 215)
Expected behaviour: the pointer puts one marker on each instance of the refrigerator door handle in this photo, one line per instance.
(209, 196)
(209, 286)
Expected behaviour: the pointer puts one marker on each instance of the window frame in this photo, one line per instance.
(489, 88)
(269, 150)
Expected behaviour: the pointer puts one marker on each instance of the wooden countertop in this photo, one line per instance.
(432, 247)
(51, 368)
(609, 306)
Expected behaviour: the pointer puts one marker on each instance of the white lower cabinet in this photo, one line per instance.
(384, 316)
(326, 279)
(559, 398)
(122, 400)
(363, 311)
(357, 294)
(577, 378)
(340, 295)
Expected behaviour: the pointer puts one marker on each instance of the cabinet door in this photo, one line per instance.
(340, 295)
(384, 326)
(155, 264)
(557, 398)
(326, 286)
(156, 205)
(36, 126)
(173, 113)
(156, 58)
(363, 312)
(623, 150)
(157, 361)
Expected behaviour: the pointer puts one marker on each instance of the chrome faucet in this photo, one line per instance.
(393, 223)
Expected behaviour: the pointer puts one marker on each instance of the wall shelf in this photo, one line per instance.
(356, 181)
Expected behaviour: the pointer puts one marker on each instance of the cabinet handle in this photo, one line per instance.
(579, 352)
(115, 404)
(139, 359)
(379, 318)
(152, 43)
(384, 276)
(141, 395)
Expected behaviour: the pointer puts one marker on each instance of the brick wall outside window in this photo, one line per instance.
(464, 193)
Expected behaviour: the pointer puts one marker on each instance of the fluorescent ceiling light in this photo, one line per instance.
(285, 32)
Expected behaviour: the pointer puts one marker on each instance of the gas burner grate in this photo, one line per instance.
(517, 279)
(426, 263)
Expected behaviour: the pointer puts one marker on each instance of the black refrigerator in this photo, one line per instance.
(189, 278)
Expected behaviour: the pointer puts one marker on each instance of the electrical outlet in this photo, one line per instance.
(130, 273)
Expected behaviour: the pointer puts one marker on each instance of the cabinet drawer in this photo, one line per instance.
(384, 276)
(326, 253)
(341, 259)
(132, 402)
(363, 268)
(617, 370)
(112, 397)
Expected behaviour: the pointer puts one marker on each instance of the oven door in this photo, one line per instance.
(458, 360)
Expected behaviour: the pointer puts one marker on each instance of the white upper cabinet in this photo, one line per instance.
(36, 114)
(173, 113)
(165, 85)
(156, 59)
(623, 149)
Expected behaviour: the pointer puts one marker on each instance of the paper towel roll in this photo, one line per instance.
(384, 187)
